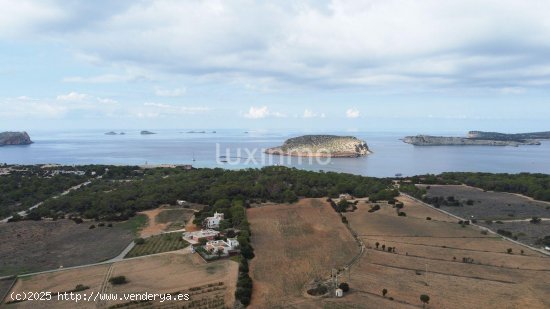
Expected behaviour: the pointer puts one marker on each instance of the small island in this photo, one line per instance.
(14, 138)
(479, 138)
(322, 146)
(111, 133)
(147, 132)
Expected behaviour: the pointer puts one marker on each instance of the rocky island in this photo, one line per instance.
(14, 138)
(322, 146)
(147, 132)
(479, 138)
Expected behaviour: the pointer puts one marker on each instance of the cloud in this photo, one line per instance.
(177, 92)
(262, 112)
(310, 114)
(352, 113)
(396, 45)
(257, 112)
(106, 100)
(72, 96)
(104, 79)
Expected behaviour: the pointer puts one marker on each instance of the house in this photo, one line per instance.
(345, 196)
(227, 247)
(213, 222)
(193, 237)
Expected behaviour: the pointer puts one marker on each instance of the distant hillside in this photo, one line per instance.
(479, 138)
(322, 146)
(14, 138)
(504, 136)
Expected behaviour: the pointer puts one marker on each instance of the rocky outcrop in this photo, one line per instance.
(111, 133)
(14, 138)
(427, 140)
(322, 146)
(147, 132)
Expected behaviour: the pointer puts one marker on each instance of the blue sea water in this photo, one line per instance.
(390, 155)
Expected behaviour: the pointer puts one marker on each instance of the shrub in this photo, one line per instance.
(428, 218)
(424, 298)
(344, 286)
(384, 292)
(118, 280)
(402, 214)
(92, 226)
(139, 241)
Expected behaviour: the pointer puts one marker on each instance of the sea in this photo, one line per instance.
(237, 149)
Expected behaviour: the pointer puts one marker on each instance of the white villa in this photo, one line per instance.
(213, 222)
(220, 245)
(193, 237)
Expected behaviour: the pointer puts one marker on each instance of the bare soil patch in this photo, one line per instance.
(30, 246)
(295, 244)
(164, 219)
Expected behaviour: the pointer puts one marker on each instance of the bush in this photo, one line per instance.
(402, 214)
(344, 286)
(92, 226)
(428, 218)
(118, 280)
(139, 241)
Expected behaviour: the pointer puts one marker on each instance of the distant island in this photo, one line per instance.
(322, 146)
(196, 131)
(147, 132)
(479, 138)
(14, 138)
(114, 133)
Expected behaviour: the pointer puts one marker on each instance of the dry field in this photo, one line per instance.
(165, 219)
(29, 246)
(209, 285)
(295, 244)
(493, 279)
(490, 205)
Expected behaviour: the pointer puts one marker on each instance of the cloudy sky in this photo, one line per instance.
(425, 65)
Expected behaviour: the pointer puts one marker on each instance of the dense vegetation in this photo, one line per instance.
(536, 186)
(25, 189)
(120, 200)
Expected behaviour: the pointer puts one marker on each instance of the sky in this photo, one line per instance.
(389, 65)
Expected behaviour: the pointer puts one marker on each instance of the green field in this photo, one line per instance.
(158, 244)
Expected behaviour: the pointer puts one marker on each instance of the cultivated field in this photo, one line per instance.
(209, 285)
(29, 246)
(158, 244)
(295, 244)
(465, 268)
(489, 205)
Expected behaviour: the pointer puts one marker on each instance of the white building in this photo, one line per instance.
(214, 246)
(213, 222)
(193, 237)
